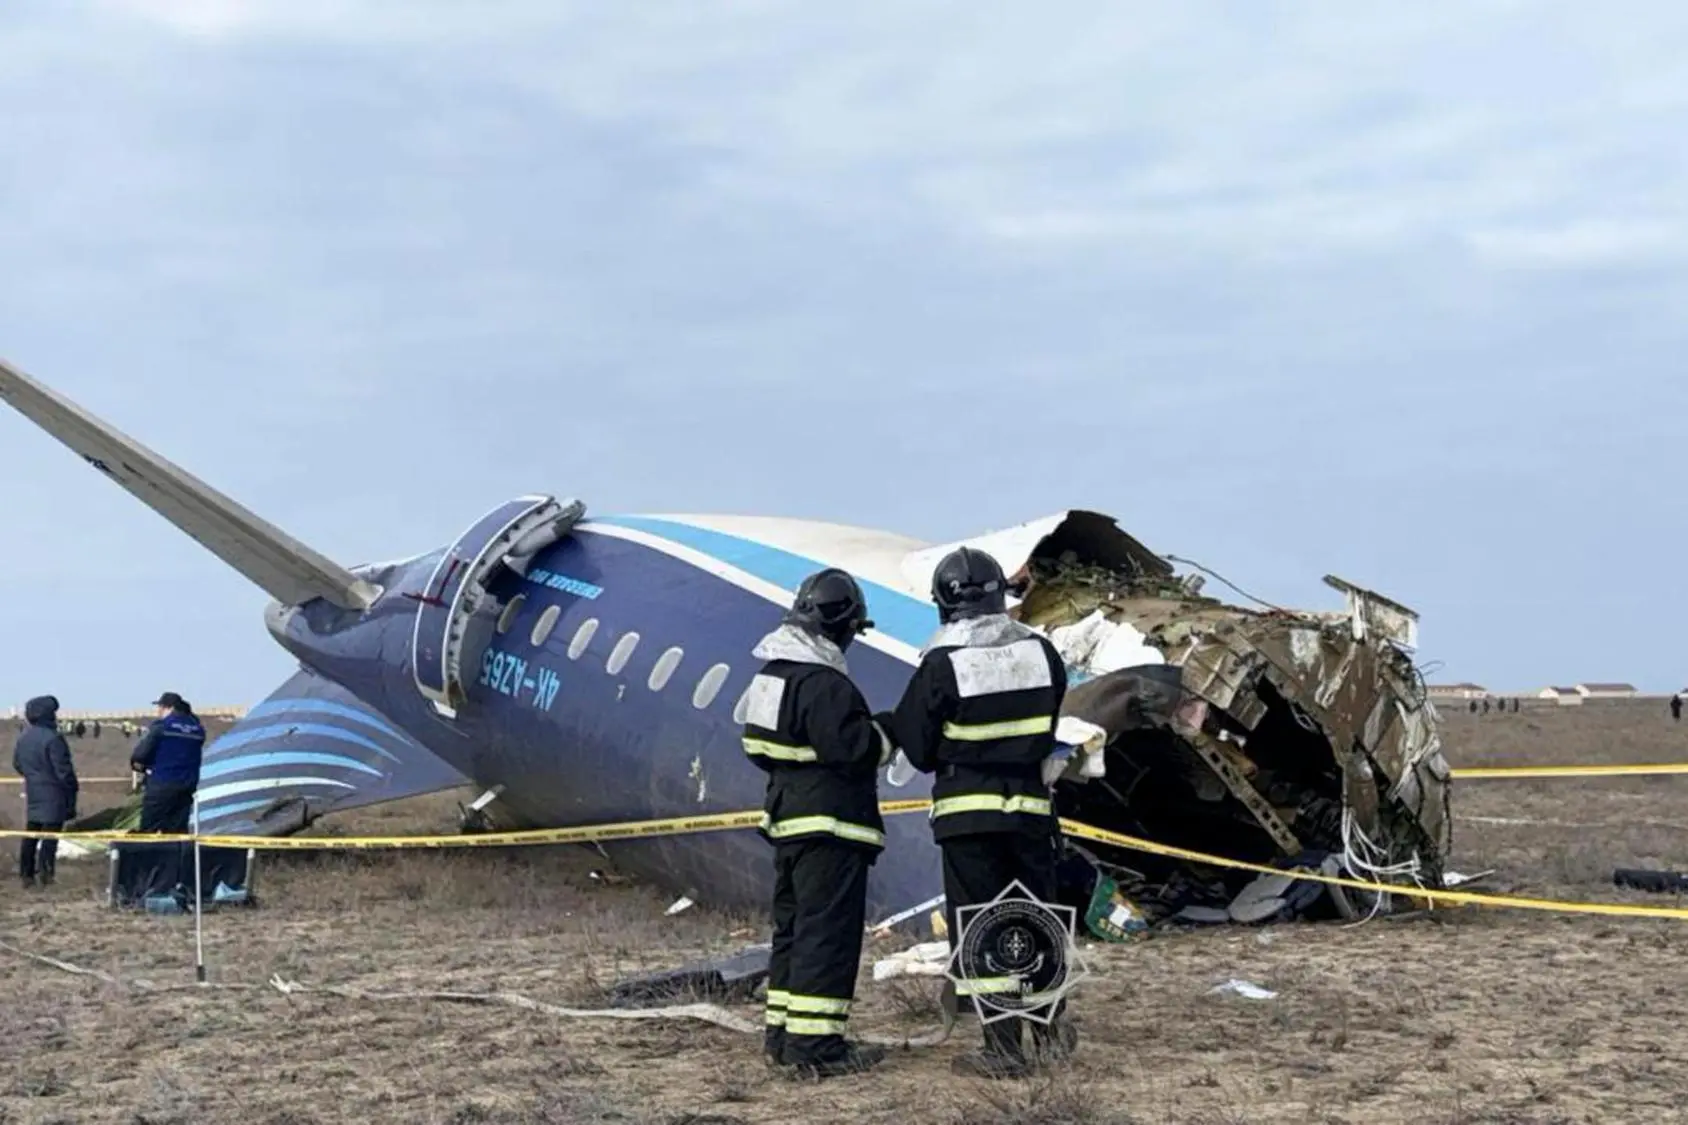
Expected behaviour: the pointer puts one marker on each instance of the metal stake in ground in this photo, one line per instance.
(198, 902)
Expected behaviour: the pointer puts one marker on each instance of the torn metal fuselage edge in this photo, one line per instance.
(1297, 732)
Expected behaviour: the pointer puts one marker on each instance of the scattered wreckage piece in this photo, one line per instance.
(1651, 880)
(731, 978)
(1278, 736)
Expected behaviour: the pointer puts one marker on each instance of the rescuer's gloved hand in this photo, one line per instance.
(886, 746)
(1056, 764)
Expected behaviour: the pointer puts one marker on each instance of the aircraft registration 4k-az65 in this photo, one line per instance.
(590, 670)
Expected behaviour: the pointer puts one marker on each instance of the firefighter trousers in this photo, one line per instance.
(979, 867)
(820, 909)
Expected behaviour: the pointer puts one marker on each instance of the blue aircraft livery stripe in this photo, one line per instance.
(238, 738)
(260, 784)
(896, 614)
(326, 707)
(216, 813)
(262, 759)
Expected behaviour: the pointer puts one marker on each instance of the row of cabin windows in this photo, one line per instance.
(708, 686)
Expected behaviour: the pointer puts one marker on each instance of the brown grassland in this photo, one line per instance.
(1462, 1015)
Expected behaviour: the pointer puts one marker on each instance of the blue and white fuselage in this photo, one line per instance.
(588, 670)
(608, 692)
(578, 670)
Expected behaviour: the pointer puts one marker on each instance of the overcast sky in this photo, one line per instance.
(1395, 291)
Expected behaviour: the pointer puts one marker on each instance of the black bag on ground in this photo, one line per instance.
(142, 870)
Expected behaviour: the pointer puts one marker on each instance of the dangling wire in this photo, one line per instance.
(1215, 574)
(1363, 859)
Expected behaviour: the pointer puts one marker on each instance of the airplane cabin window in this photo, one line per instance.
(621, 653)
(709, 686)
(547, 622)
(508, 617)
(665, 665)
(582, 637)
(742, 707)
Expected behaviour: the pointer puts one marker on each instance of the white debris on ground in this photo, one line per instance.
(1246, 989)
(71, 850)
(928, 959)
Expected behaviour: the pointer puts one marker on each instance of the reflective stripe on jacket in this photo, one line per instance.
(982, 718)
(810, 729)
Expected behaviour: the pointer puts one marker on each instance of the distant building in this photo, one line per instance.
(1564, 696)
(1457, 691)
(1607, 691)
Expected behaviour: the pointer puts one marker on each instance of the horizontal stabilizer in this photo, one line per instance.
(311, 748)
(285, 568)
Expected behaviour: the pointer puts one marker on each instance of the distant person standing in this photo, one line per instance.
(1676, 707)
(169, 754)
(42, 758)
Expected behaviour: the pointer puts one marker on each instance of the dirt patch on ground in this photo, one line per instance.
(1461, 1016)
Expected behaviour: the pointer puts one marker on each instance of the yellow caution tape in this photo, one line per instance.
(580, 834)
(1523, 773)
(586, 834)
(1464, 773)
(1459, 898)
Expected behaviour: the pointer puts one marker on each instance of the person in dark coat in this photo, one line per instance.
(169, 754)
(42, 758)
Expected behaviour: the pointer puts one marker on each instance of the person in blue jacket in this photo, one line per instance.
(169, 754)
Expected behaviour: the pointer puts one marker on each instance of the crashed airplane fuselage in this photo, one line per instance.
(584, 670)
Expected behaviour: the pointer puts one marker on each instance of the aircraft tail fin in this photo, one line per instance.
(311, 748)
(284, 567)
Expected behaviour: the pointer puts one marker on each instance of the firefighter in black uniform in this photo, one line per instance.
(980, 713)
(809, 727)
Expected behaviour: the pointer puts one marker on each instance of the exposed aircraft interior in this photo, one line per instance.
(1324, 752)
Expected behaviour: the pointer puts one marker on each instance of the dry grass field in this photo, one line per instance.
(1461, 1016)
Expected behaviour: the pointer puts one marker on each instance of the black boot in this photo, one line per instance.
(1002, 1056)
(855, 1058)
(773, 1046)
(994, 1065)
(1055, 1043)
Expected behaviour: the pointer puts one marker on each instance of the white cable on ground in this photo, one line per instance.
(708, 1013)
(1365, 860)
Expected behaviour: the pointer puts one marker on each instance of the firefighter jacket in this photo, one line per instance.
(808, 725)
(980, 713)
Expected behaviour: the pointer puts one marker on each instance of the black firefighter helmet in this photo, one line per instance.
(829, 602)
(969, 583)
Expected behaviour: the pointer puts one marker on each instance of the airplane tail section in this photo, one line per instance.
(287, 569)
(312, 747)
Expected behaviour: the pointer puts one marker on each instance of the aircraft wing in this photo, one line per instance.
(310, 748)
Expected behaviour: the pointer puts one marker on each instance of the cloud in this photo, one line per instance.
(1278, 282)
(1262, 133)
